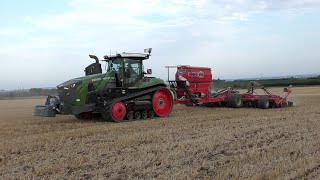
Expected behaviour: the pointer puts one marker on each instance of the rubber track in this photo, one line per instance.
(106, 113)
(106, 110)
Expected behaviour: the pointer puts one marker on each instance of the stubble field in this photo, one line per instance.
(193, 143)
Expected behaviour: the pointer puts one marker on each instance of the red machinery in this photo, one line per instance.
(266, 100)
(192, 87)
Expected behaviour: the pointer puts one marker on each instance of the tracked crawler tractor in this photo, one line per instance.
(122, 92)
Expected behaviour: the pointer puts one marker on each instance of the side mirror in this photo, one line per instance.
(149, 71)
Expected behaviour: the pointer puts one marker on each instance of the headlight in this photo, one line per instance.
(70, 84)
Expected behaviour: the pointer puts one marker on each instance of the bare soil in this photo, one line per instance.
(193, 143)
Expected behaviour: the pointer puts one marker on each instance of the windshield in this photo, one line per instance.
(114, 65)
(133, 66)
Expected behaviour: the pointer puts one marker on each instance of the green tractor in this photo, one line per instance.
(122, 92)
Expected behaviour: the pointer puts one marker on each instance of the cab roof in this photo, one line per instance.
(135, 56)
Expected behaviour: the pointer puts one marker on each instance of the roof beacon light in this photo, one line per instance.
(148, 51)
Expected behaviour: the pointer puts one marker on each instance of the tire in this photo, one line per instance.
(162, 102)
(272, 105)
(235, 101)
(144, 114)
(151, 114)
(137, 115)
(115, 112)
(275, 105)
(263, 102)
(130, 116)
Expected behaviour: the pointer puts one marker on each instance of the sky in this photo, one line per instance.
(44, 43)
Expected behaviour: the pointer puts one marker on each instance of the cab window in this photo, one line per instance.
(134, 66)
(114, 66)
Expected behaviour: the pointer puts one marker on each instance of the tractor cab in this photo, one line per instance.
(127, 67)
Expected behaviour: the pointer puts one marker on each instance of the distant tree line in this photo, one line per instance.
(243, 84)
(26, 93)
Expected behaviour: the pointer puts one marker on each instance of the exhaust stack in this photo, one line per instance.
(94, 68)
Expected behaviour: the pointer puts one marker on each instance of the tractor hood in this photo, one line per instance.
(70, 84)
(74, 92)
(77, 81)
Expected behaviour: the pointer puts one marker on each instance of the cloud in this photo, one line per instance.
(10, 31)
(290, 4)
(180, 31)
(125, 13)
(125, 21)
(140, 20)
(150, 15)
